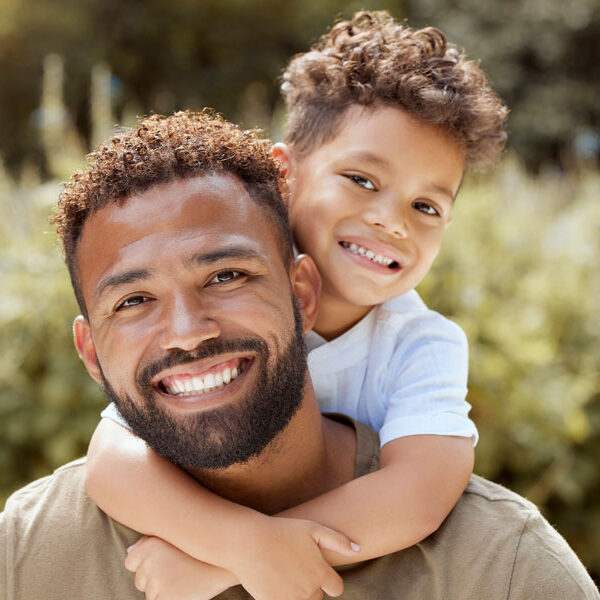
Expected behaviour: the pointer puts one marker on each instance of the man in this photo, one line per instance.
(179, 252)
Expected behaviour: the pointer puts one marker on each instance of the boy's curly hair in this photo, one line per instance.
(160, 150)
(372, 60)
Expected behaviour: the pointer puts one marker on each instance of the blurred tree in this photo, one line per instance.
(543, 57)
(163, 54)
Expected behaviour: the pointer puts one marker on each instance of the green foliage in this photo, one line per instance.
(518, 271)
(48, 403)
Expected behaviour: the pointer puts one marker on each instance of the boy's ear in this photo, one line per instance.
(306, 283)
(281, 153)
(82, 337)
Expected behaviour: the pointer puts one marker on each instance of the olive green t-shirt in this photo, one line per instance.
(56, 544)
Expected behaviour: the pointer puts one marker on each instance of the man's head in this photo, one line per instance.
(373, 61)
(195, 312)
(160, 150)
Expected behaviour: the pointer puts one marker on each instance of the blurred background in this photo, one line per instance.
(518, 269)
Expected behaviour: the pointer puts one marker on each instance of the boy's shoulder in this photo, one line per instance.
(409, 318)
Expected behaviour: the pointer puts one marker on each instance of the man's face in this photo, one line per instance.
(192, 320)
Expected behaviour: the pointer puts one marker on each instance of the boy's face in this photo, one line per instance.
(371, 204)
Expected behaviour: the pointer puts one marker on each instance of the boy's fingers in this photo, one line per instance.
(327, 539)
(132, 560)
(333, 585)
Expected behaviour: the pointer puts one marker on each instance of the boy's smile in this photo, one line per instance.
(370, 207)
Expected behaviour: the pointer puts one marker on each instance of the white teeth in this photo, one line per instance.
(378, 258)
(196, 385)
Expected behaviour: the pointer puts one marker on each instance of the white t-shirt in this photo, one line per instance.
(402, 370)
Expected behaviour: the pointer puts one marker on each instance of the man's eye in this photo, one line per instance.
(362, 181)
(226, 276)
(425, 208)
(132, 301)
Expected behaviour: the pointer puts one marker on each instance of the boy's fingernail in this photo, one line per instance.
(355, 547)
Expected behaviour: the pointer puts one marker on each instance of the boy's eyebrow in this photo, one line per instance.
(113, 281)
(366, 156)
(440, 189)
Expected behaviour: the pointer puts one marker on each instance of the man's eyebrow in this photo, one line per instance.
(240, 252)
(113, 281)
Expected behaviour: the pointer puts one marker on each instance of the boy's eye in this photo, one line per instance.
(362, 181)
(425, 208)
(132, 301)
(226, 276)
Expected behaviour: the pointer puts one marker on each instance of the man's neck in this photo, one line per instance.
(310, 457)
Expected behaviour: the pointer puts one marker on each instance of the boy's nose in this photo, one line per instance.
(400, 230)
(388, 213)
(187, 325)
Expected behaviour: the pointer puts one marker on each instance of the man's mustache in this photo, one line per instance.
(207, 349)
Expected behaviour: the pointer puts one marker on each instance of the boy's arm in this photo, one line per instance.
(421, 477)
(151, 495)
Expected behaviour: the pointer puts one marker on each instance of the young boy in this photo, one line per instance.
(383, 122)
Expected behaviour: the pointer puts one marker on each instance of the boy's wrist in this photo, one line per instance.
(239, 539)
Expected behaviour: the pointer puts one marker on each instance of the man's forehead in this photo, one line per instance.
(184, 216)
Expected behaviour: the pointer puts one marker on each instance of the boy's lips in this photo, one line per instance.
(200, 377)
(373, 252)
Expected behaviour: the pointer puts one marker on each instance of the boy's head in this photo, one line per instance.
(374, 61)
(383, 121)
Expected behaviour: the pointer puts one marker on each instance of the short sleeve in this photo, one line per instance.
(112, 412)
(546, 568)
(426, 382)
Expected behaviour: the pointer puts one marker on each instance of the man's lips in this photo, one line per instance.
(197, 378)
(373, 251)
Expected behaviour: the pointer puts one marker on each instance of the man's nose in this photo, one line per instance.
(388, 214)
(187, 324)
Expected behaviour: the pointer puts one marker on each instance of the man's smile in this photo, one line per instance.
(199, 381)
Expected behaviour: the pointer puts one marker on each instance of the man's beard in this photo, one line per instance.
(234, 432)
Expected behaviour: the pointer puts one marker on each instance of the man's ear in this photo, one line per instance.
(82, 337)
(306, 283)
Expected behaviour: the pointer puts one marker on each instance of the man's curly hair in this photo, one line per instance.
(160, 150)
(373, 61)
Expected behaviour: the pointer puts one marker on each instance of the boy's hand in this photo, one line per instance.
(162, 571)
(282, 559)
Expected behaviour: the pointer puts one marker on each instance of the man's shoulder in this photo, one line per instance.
(65, 478)
(56, 543)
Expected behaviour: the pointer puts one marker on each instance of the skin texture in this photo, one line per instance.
(386, 182)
